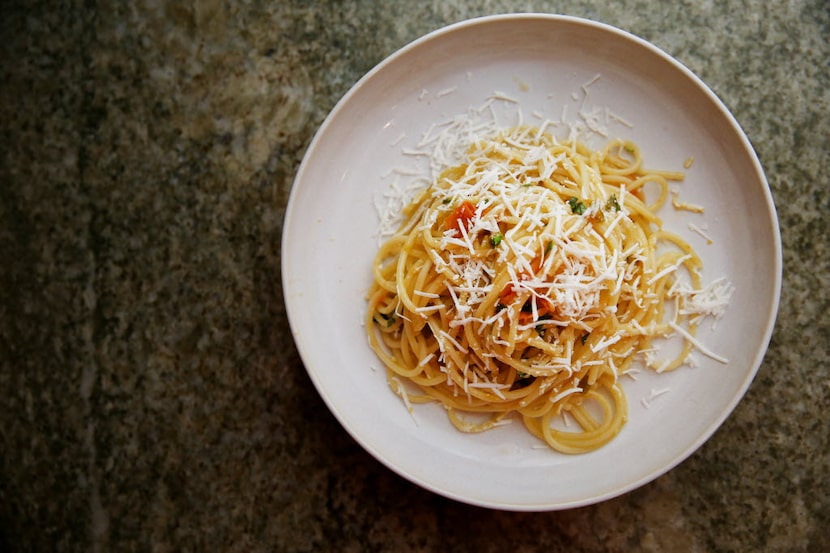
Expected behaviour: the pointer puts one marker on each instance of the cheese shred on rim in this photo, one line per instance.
(525, 280)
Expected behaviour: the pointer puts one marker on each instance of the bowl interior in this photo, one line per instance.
(554, 68)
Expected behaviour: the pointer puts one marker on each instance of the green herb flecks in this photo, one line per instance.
(612, 203)
(495, 239)
(577, 206)
(523, 380)
(387, 320)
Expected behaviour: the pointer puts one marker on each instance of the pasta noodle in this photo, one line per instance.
(526, 279)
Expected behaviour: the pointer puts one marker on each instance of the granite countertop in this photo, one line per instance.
(153, 398)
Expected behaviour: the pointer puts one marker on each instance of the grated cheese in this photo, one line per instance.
(427, 294)
(696, 343)
(586, 271)
(696, 229)
(563, 394)
(398, 388)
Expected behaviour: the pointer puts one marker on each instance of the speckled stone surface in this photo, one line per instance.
(153, 399)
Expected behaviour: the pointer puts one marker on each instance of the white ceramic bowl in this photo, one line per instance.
(553, 66)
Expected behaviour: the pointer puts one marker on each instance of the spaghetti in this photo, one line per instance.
(526, 279)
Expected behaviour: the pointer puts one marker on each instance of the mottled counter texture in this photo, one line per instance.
(152, 397)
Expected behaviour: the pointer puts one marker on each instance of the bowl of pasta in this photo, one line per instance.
(551, 256)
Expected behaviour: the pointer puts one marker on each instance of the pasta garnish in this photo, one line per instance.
(526, 279)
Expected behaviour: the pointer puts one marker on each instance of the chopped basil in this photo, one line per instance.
(388, 319)
(576, 206)
(612, 203)
(523, 380)
(549, 246)
(495, 239)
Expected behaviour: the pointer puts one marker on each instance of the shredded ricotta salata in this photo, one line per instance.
(520, 275)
